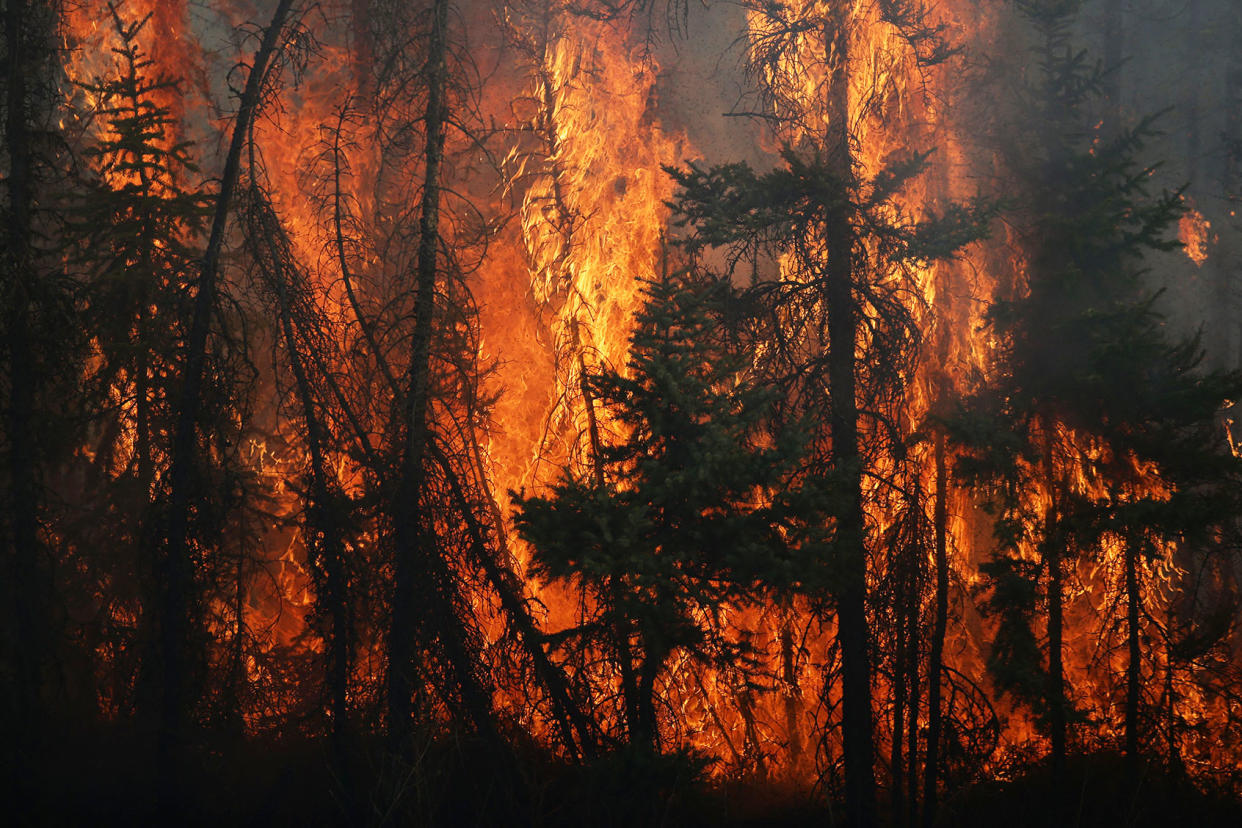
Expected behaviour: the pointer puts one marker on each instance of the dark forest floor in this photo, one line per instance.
(107, 778)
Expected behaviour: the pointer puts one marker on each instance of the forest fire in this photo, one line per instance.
(482, 403)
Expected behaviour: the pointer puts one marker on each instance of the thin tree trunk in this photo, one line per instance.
(647, 731)
(1056, 663)
(24, 635)
(1056, 622)
(412, 541)
(912, 718)
(792, 697)
(857, 724)
(1135, 653)
(896, 757)
(935, 664)
(631, 691)
(1173, 755)
(178, 570)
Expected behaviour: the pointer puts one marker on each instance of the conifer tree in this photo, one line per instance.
(795, 209)
(675, 519)
(1087, 386)
(842, 314)
(41, 348)
(138, 224)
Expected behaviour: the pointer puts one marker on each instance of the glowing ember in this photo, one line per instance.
(1195, 234)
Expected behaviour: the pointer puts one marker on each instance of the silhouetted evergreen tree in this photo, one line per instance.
(1096, 426)
(816, 213)
(675, 519)
(138, 224)
(41, 350)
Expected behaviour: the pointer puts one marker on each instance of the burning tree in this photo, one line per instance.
(674, 520)
(139, 221)
(843, 331)
(1097, 437)
(264, 423)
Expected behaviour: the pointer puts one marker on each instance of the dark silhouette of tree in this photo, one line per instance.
(185, 483)
(1087, 387)
(41, 350)
(673, 519)
(851, 249)
(138, 224)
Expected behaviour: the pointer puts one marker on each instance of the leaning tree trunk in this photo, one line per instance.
(410, 523)
(935, 664)
(178, 568)
(568, 715)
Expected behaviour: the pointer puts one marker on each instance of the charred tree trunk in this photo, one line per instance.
(1056, 662)
(896, 757)
(1135, 655)
(178, 568)
(24, 636)
(935, 666)
(1056, 622)
(842, 312)
(412, 553)
(790, 689)
(913, 621)
(647, 731)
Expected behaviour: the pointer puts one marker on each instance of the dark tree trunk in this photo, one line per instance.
(857, 724)
(791, 692)
(1135, 654)
(647, 732)
(913, 621)
(413, 544)
(24, 636)
(935, 665)
(1056, 623)
(896, 756)
(175, 645)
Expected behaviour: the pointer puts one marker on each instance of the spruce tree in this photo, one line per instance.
(675, 518)
(811, 321)
(1096, 427)
(138, 224)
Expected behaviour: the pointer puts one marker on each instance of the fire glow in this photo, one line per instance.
(555, 207)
